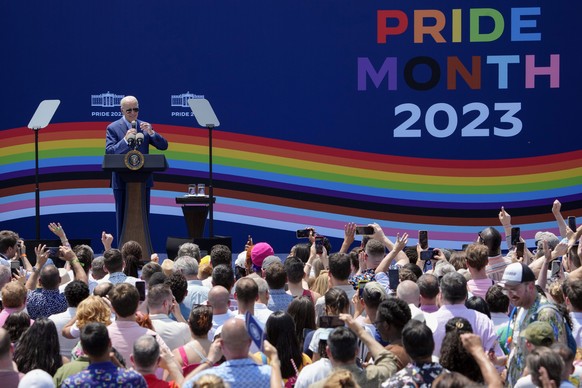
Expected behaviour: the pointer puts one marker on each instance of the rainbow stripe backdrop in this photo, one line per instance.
(287, 185)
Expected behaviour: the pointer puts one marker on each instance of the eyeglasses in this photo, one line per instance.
(132, 109)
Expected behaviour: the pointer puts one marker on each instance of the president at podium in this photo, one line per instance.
(126, 134)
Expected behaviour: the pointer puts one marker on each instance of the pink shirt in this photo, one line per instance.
(479, 287)
(482, 325)
(123, 335)
(7, 311)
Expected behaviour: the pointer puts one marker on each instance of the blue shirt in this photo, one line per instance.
(197, 294)
(241, 373)
(105, 375)
(42, 303)
(279, 300)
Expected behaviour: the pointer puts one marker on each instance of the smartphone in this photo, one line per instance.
(15, 267)
(572, 223)
(423, 239)
(556, 264)
(520, 249)
(361, 286)
(393, 278)
(319, 245)
(427, 255)
(366, 230)
(515, 234)
(303, 233)
(464, 247)
(53, 252)
(140, 285)
(330, 321)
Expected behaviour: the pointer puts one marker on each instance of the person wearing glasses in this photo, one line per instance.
(118, 133)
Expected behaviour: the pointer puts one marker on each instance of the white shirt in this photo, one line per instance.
(60, 321)
(262, 312)
(312, 373)
(577, 327)
(217, 321)
(174, 334)
(197, 294)
(90, 281)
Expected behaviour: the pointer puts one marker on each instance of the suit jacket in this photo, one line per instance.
(115, 144)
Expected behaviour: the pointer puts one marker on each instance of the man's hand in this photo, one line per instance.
(472, 343)
(556, 207)
(439, 255)
(401, 242)
(155, 258)
(41, 255)
(270, 351)
(146, 127)
(21, 247)
(106, 240)
(57, 229)
(504, 218)
(130, 131)
(349, 232)
(215, 351)
(560, 249)
(351, 323)
(378, 232)
(67, 254)
(166, 358)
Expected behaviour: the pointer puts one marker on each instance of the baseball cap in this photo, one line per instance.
(270, 260)
(539, 333)
(517, 273)
(259, 252)
(551, 239)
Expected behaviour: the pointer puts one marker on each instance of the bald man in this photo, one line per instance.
(219, 299)
(239, 370)
(118, 142)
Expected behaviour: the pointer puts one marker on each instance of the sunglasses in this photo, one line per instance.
(132, 109)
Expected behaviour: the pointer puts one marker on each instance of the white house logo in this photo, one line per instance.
(106, 100)
(181, 101)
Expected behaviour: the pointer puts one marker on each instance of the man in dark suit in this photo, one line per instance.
(117, 143)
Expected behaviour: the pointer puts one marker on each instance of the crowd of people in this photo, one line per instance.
(375, 313)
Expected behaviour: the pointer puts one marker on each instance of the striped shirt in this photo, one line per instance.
(496, 267)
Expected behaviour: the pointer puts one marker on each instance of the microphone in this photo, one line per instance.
(131, 140)
(134, 125)
(138, 139)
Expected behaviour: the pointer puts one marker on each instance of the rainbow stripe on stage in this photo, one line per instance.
(287, 185)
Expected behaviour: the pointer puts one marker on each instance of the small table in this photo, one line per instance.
(195, 210)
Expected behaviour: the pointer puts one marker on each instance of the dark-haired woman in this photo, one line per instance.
(453, 355)
(39, 348)
(280, 332)
(194, 353)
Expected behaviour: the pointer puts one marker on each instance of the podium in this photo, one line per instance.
(136, 217)
(195, 210)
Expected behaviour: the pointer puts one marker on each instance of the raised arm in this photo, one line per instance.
(41, 259)
(69, 256)
(275, 363)
(349, 237)
(59, 231)
(168, 363)
(472, 342)
(389, 258)
(380, 236)
(556, 211)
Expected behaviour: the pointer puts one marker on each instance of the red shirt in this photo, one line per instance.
(154, 382)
